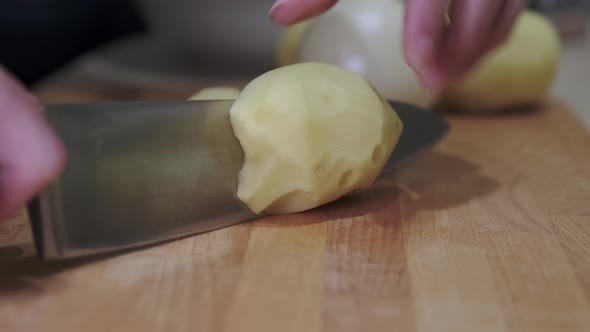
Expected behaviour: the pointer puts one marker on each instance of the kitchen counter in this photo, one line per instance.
(490, 231)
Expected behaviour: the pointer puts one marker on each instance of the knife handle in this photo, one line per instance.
(36, 221)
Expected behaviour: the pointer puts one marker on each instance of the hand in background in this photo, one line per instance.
(442, 42)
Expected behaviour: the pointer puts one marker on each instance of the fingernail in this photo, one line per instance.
(276, 5)
(429, 88)
(424, 84)
(433, 84)
(421, 55)
(422, 64)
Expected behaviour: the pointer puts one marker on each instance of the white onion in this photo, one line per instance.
(365, 37)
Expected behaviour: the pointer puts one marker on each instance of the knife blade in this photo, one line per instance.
(141, 173)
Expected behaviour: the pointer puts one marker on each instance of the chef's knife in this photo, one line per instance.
(140, 173)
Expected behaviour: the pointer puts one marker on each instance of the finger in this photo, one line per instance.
(502, 28)
(287, 12)
(30, 154)
(424, 28)
(472, 24)
(505, 22)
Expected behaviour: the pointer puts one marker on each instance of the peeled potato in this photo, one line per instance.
(311, 133)
(216, 93)
(520, 72)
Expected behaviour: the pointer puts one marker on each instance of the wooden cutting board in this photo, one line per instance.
(488, 232)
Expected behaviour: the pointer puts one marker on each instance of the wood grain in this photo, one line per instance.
(488, 232)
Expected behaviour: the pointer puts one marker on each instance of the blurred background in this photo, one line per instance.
(147, 41)
(39, 36)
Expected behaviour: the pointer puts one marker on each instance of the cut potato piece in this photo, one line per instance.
(216, 93)
(518, 73)
(311, 133)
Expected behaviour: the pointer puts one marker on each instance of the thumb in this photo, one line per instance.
(30, 153)
(287, 12)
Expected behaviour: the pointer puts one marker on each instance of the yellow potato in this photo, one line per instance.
(311, 133)
(520, 72)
